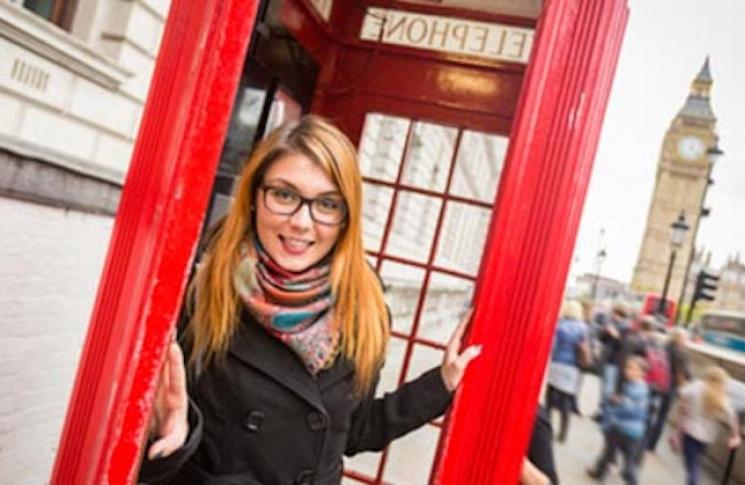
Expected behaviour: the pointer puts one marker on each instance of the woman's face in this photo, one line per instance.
(296, 242)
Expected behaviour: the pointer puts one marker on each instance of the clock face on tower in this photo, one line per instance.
(691, 148)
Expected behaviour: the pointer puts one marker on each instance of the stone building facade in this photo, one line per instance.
(683, 173)
(74, 77)
(730, 294)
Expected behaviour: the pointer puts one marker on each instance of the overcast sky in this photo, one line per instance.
(665, 45)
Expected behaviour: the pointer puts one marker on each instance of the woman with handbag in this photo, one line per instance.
(570, 352)
(702, 406)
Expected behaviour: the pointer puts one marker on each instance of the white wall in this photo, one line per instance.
(50, 264)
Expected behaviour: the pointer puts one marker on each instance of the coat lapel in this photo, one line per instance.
(341, 369)
(255, 347)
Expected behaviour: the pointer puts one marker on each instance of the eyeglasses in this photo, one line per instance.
(328, 211)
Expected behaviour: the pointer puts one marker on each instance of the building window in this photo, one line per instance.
(59, 12)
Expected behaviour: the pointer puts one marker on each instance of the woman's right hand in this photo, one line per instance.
(168, 422)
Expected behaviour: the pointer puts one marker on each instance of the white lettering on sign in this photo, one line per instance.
(447, 34)
(323, 7)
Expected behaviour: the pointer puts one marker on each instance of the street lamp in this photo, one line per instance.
(712, 154)
(680, 227)
(599, 258)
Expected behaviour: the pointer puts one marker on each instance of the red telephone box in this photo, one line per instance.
(462, 147)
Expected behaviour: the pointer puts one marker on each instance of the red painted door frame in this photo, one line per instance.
(542, 191)
(161, 211)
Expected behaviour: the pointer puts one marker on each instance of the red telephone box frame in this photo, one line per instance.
(155, 233)
(553, 143)
(547, 170)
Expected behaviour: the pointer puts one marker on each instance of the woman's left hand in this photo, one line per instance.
(734, 440)
(454, 364)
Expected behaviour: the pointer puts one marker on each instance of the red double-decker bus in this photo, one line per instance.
(651, 306)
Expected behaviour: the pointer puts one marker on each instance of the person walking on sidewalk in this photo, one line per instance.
(570, 349)
(612, 334)
(643, 343)
(680, 373)
(626, 418)
(702, 406)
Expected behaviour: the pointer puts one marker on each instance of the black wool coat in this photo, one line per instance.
(260, 418)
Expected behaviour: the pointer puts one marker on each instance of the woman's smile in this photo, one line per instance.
(295, 246)
(294, 240)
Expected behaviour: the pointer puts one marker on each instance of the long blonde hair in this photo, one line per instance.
(359, 305)
(572, 309)
(715, 402)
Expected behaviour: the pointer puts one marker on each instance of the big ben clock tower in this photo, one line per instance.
(683, 174)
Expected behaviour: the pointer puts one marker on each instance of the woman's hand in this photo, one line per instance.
(734, 440)
(674, 440)
(453, 364)
(169, 419)
(531, 475)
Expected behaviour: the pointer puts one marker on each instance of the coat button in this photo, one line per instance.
(304, 478)
(316, 421)
(253, 421)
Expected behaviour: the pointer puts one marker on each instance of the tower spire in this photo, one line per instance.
(697, 105)
(704, 75)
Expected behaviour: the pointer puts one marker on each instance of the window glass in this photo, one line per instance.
(58, 12)
(382, 146)
(403, 285)
(414, 224)
(462, 237)
(430, 153)
(447, 299)
(376, 202)
(42, 8)
(478, 166)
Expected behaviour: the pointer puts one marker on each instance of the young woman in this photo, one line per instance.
(703, 404)
(288, 332)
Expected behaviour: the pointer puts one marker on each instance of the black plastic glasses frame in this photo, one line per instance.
(303, 201)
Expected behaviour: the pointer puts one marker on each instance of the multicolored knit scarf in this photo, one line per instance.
(296, 308)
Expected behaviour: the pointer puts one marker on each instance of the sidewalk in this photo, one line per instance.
(584, 444)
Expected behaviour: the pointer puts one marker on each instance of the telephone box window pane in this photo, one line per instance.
(413, 226)
(375, 206)
(284, 108)
(403, 285)
(430, 154)
(423, 358)
(243, 126)
(447, 299)
(478, 166)
(365, 463)
(391, 372)
(410, 458)
(462, 237)
(382, 146)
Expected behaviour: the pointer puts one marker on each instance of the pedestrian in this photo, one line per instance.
(643, 342)
(702, 406)
(287, 332)
(593, 345)
(626, 421)
(539, 466)
(570, 349)
(612, 333)
(680, 373)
